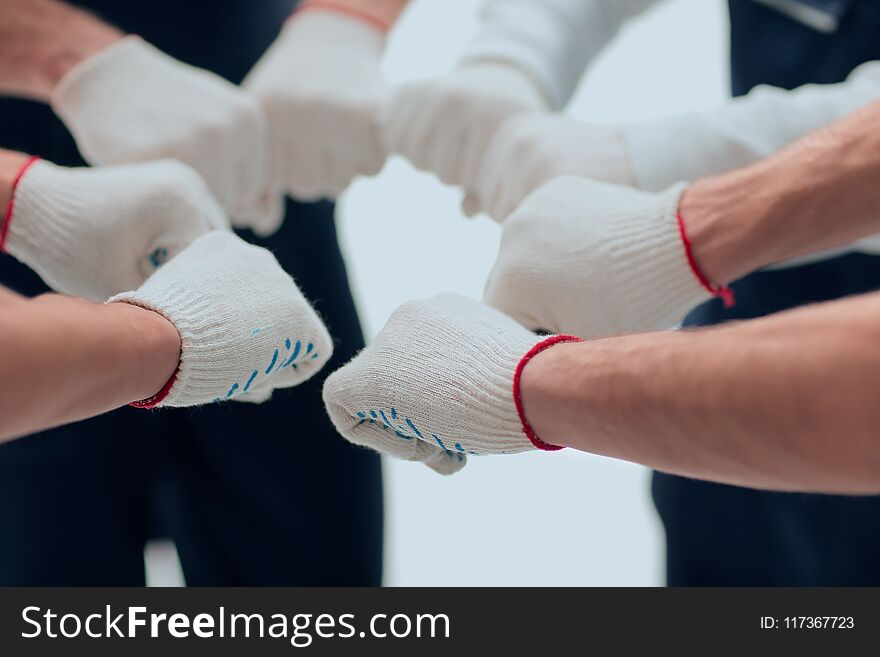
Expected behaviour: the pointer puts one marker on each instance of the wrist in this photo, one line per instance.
(380, 14)
(87, 36)
(43, 41)
(11, 163)
(533, 397)
(719, 228)
(13, 167)
(156, 345)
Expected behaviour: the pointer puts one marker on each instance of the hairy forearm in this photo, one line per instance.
(66, 359)
(41, 40)
(788, 402)
(819, 193)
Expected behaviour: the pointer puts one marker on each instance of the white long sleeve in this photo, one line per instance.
(689, 146)
(552, 41)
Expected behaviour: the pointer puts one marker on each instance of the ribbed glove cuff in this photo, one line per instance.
(517, 389)
(655, 278)
(201, 336)
(41, 226)
(10, 211)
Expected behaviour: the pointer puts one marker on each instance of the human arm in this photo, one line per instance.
(815, 195)
(93, 232)
(220, 321)
(693, 145)
(67, 359)
(529, 150)
(126, 102)
(42, 40)
(592, 259)
(321, 87)
(527, 56)
(786, 402)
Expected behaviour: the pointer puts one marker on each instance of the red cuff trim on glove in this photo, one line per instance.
(721, 291)
(517, 392)
(10, 209)
(160, 396)
(329, 5)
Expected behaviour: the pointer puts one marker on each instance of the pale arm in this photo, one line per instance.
(689, 146)
(789, 402)
(66, 359)
(552, 40)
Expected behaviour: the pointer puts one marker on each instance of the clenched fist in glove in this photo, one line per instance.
(529, 150)
(95, 232)
(131, 103)
(445, 125)
(592, 259)
(321, 86)
(245, 327)
(439, 382)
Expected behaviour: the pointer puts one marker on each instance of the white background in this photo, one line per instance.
(534, 519)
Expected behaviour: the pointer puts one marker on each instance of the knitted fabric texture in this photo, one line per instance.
(591, 259)
(245, 327)
(436, 385)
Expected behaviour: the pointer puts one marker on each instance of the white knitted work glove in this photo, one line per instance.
(592, 259)
(95, 232)
(445, 125)
(436, 384)
(531, 149)
(321, 86)
(245, 327)
(133, 103)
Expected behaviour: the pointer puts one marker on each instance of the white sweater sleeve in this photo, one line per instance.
(690, 146)
(551, 41)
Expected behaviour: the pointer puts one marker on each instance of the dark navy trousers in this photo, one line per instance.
(724, 535)
(251, 495)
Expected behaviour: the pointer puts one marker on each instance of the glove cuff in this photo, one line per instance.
(517, 391)
(6, 224)
(41, 227)
(159, 397)
(201, 343)
(655, 283)
(228, 351)
(380, 23)
(721, 291)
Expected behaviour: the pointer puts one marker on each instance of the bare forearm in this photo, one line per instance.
(817, 194)
(66, 359)
(788, 402)
(41, 40)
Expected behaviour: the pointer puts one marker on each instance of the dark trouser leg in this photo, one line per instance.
(271, 494)
(724, 535)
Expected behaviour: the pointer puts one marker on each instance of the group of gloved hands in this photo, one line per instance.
(181, 150)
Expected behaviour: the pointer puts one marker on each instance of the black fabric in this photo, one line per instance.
(724, 535)
(251, 495)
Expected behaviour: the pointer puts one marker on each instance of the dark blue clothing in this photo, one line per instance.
(251, 495)
(724, 535)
